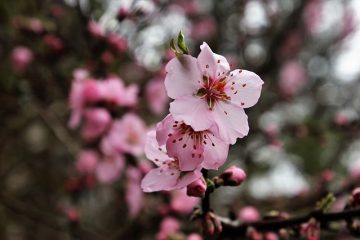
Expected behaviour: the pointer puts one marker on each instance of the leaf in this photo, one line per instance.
(182, 43)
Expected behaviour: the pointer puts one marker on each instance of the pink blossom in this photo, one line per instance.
(114, 91)
(181, 203)
(95, 29)
(21, 57)
(53, 42)
(194, 236)
(109, 169)
(249, 214)
(205, 93)
(292, 78)
(36, 25)
(233, 176)
(80, 74)
(167, 176)
(86, 161)
(156, 96)
(271, 236)
(312, 15)
(126, 135)
(192, 148)
(168, 226)
(97, 121)
(134, 194)
(118, 42)
(197, 188)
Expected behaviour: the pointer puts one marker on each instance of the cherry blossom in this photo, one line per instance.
(167, 176)
(126, 135)
(206, 92)
(109, 169)
(192, 148)
(134, 195)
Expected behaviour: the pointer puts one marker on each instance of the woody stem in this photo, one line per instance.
(205, 202)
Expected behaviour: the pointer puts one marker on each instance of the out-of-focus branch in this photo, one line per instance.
(292, 21)
(231, 228)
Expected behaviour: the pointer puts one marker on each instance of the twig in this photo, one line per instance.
(231, 228)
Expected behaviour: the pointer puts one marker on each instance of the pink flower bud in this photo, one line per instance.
(91, 91)
(194, 236)
(356, 196)
(21, 57)
(86, 161)
(233, 176)
(197, 188)
(169, 225)
(271, 236)
(249, 214)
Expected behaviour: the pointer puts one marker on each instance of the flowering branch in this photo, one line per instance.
(231, 228)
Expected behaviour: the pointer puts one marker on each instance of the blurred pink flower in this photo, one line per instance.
(204, 28)
(36, 25)
(167, 176)
(126, 135)
(97, 121)
(117, 42)
(249, 214)
(109, 169)
(312, 15)
(205, 93)
(181, 203)
(168, 226)
(292, 78)
(86, 161)
(134, 195)
(191, 148)
(194, 236)
(95, 29)
(114, 91)
(53, 42)
(156, 96)
(21, 57)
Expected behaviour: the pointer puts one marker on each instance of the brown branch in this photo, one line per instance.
(231, 228)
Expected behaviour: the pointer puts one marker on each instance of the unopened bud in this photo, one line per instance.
(197, 188)
(233, 176)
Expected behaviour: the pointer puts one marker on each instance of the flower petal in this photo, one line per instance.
(193, 111)
(231, 121)
(188, 150)
(163, 129)
(157, 180)
(215, 65)
(244, 88)
(153, 150)
(183, 76)
(215, 151)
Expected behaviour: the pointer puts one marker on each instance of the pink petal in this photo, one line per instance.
(231, 121)
(215, 65)
(188, 178)
(158, 180)
(215, 152)
(134, 195)
(182, 76)
(193, 111)
(109, 170)
(186, 150)
(244, 88)
(152, 150)
(163, 129)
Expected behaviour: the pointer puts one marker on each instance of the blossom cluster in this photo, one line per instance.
(206, 117)
(111, 132)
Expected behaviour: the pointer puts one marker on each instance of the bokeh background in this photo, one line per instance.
(304, 131)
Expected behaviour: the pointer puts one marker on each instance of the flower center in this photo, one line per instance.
(213, 91)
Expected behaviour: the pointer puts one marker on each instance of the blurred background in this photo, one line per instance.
(59, 180)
